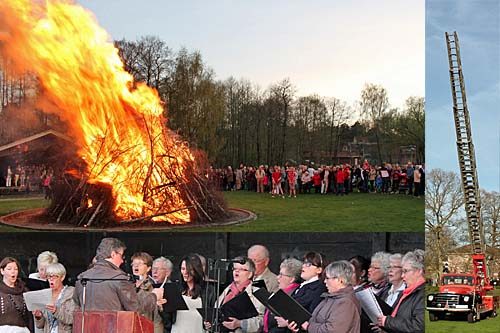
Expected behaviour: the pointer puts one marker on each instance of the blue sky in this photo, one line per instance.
(326, 47)
(478, 29)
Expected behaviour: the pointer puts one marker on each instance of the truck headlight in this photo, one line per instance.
(430, 298)
(466, 299)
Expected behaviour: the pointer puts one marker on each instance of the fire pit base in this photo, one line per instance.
(36, 220)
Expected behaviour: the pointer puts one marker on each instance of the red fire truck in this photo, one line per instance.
(465, 293)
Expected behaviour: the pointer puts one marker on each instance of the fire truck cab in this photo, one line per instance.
(462, 294)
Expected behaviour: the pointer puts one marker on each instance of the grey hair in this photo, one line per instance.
(202, 259)
(167, 262)
(342, 270)
(57, 269)
(46, 258)
(416, 259)
(383, 259)
(292, 267)
(396, 257)
(107, 246)
(261, 249)
(249, 262)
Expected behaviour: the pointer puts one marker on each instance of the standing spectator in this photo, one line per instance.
(276, 177)
(416, 181)
(9, 177)
(325, 180)
(259, 176)
(340, 181)
(410, 171)
(316, 179)
(239, 178)
(292, 182)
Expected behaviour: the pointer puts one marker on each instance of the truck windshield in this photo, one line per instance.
(464, 280)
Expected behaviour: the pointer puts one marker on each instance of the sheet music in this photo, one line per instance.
(36, 300)
(369, 303)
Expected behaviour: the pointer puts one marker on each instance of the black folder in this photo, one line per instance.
(240, 307)
(263, 296)
(288, 308)
(174, 298)
(259, 284)
(35, 284)
(386, 308)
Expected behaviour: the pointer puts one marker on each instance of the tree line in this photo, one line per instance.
(446, 225)
(235, 120)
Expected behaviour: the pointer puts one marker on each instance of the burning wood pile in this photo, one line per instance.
(135, 169)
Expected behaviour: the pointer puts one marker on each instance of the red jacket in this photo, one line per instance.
(340, 176)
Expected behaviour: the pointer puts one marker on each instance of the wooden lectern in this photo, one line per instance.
(112, 322)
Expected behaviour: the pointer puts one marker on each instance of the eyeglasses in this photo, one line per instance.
(331, 277)
(395, 267)
(258, 260)
(53, 277)
(373, 267)
(408, 270)
(280, 274)
(241, 269)
(137, 264)
(308, 264)
(159, 269)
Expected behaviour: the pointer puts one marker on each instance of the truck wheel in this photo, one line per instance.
(433, 316)
(493, 313)
(471, 316)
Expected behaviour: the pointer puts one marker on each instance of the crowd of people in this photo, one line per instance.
(336, 179)
(28, 178)
(326, 289)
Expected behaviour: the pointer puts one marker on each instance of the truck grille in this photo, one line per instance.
(442, 298)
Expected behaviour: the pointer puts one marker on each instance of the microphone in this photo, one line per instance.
(240, 261)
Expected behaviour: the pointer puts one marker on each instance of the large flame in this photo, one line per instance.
(117, 124)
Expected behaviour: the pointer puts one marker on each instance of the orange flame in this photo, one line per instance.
(118, 126)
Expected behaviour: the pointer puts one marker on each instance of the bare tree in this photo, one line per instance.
(490, 209)
(374, 103)
(443, 209)
(284, 92)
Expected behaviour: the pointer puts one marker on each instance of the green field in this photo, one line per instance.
(354, 213)
(460, 325)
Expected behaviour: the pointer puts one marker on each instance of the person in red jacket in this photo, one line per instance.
(316, 178)
(277, 182)
(340, 181)
(347, 178)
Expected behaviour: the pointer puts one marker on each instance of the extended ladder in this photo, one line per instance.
(465, 148)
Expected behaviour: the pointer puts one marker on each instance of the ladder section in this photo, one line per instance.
(465, 148)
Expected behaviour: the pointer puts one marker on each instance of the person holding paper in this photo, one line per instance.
(288, 280)
(339, 312)
(14, 316)
(196, 292)
(242, 282)
(58, 315)
(107, 286)
(141, 266)
(377, 273)
(409, 312)
(308, 294)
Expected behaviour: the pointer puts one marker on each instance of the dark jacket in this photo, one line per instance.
(12, 306)
(117, 295)
(410, 315)
(309, 296)
(339, 312)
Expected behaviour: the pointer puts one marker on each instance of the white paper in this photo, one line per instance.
(369, 304)
(37, 300)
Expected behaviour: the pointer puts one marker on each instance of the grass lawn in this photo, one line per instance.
(354, 213)
(460, 325)
(14, 203)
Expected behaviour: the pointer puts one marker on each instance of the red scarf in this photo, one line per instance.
(406, 293)
(266, 315)
(234, 290)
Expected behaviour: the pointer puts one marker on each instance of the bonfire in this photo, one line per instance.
(134, 167)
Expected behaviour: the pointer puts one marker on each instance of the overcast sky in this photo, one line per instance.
(326, 47)
(478, 28)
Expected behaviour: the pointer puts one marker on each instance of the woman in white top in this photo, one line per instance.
(195, 294)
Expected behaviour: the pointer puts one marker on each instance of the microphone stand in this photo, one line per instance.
(84, 282)
(218, 269)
